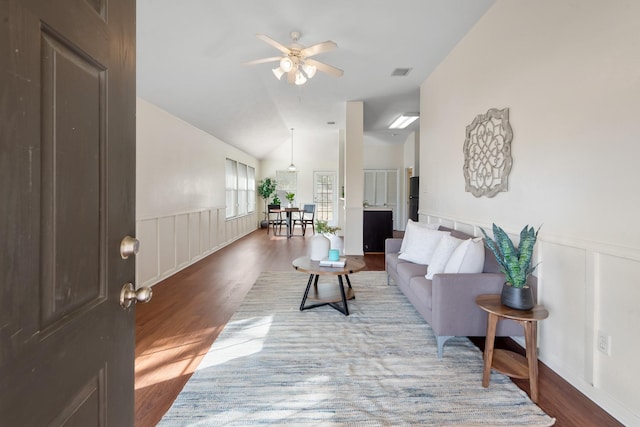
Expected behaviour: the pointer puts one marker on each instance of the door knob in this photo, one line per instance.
(129, 246)
(129, 295)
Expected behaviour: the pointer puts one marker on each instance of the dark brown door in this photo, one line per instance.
(67, 198)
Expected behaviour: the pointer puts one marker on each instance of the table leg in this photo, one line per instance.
(492, 322)
(313, 279)
(289, 232)
(344, 298)
(290, 224)
(530, 332)
(346, 276)
(306, 291)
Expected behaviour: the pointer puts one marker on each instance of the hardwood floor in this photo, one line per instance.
(189, 310)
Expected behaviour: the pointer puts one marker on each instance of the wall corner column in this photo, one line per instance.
(354, 177)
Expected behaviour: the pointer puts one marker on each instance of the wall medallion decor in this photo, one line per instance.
(487, 153)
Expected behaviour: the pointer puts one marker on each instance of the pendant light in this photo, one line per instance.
(292, 167)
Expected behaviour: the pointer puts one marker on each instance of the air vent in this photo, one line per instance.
(331, 123)
(400, 72)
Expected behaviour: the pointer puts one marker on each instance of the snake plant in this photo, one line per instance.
(515, 262)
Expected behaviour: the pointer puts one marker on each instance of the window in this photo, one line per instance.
(240, 186)
(242, 189)
(324, 196)
(251, 189)
(287, 181)
(231, 187)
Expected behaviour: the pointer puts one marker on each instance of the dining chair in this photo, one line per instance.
(275, 219)
(306, 217)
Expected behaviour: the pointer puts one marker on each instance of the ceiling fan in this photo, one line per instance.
(296, 60)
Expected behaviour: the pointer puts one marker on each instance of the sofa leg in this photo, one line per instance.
(441, 340)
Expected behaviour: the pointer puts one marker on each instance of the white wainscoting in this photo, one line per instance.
(170, 243)
(587, 287)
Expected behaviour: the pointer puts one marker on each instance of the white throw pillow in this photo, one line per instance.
(421, 243)
(412, 225)
(467, 258)
(441, 255)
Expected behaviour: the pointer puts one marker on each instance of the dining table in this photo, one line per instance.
(289, 218)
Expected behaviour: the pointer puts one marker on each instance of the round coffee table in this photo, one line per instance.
(326, 294)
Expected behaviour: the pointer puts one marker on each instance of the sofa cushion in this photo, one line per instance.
(407, 270)
(392, 261)
(441, 255)
(412, 225)
(421, 243)
(460, 234)
(467, 258)
(490, 263)
(421, 288)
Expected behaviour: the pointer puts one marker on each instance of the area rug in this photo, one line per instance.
(276, 365)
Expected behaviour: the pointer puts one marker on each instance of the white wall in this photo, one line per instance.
(569, 71)
(380, 155)
(180, 194)
(411, 161)
(310, 153)
(411, 153)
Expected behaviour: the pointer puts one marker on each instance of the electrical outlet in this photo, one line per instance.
(604, 343)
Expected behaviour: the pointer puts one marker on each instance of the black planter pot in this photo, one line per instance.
(517, 298)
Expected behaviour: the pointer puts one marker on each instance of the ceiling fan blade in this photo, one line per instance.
(282, 48)
(263, 60)
(329, 69)
(318, 48)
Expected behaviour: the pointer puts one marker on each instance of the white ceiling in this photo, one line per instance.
(190, 55)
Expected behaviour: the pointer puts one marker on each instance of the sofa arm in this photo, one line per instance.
(455, 311)
(392, 246)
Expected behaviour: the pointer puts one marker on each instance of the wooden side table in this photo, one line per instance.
(508, 362)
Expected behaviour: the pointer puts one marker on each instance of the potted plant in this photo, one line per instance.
(275, 200)
(323, 227)
(516, 265)
(266, 188)
(290, 197)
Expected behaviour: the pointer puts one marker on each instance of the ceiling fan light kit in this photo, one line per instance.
(278, 72)
(296, 62)
(286, 64)
(309, 70)
(300, 78)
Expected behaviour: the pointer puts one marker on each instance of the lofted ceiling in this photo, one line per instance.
(190, 57)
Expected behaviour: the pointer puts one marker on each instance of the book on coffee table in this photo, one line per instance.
(337, 264)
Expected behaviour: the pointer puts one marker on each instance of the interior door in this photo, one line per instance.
(325, 196)
(67, 198)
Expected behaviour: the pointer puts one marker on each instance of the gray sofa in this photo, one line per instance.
(447, 302)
